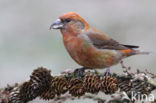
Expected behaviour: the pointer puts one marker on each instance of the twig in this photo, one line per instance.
(152, 74)
(126, 69)
(139, 75)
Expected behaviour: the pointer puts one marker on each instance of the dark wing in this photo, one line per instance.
(101, 41)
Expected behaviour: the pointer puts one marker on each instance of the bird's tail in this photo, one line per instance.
(142, 52)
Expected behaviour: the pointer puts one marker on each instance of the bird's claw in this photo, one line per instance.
(107, 72)
(79, 72)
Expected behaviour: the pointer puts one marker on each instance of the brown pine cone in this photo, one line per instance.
(40, 79)
(134, 86)
(91, 83)
(14, 96)
(124, 85)
(48, 94)
(27, 92)
(108, 85)
(59, 85)
(76, 87)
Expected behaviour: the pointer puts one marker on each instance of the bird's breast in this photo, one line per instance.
(78, 49)
(86, 55)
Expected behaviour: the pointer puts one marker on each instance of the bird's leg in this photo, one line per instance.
(107, 72)
(79, 72)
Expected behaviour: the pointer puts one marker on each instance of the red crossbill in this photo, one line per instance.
(89, 47)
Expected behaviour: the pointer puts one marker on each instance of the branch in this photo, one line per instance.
(67, 86)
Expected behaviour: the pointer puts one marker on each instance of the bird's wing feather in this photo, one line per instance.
(130, 46)
(101, 41)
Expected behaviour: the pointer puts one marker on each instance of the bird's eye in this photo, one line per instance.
(67, 20)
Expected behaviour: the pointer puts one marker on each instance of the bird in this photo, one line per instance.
(89, 47)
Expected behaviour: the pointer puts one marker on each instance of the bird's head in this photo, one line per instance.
(70, 22)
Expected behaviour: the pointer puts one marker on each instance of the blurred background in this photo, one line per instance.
(27, 43)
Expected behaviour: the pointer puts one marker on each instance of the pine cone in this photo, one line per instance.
(140, 86)
(47, 94)
(5, 93)
(108, 85)
(14, 96)
(22, 94)
(40, 79)
(134, 86)
(124, 85)
(59, 85)
(91, 83)
(27, 93)
(76, 87)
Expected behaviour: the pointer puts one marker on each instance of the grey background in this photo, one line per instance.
(27, 43)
